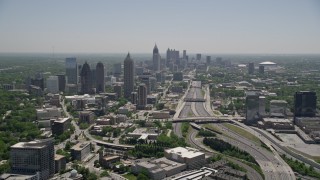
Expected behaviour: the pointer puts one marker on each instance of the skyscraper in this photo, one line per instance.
(156, 59)
(142, 96)
(72, 70)
(86, 79)
(305, 104)
(32, 157)
(184, 54)
(62, 82)
(252, 107)
(251, 68)
(52, 84)
(100, 83)
(128, 77)
(117, 69)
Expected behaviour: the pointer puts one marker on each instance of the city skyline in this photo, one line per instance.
(246, 27)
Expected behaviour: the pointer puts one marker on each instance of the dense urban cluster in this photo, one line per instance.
(173, 117)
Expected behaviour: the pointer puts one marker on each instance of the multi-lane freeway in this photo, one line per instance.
(271, 164)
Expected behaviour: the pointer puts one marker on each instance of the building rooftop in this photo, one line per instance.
(58, 157)
(185, 152)
(108, 158)
(36, 144)
(61, 120)
(277, 120)
(267, 63)
(80, 146)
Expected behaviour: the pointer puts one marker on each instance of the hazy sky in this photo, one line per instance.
(119, 26)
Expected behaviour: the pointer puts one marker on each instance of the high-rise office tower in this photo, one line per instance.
(62, 82)
(145, 79)
(156, 59)
(208, 60)
(261, 69)
(33, 157)
(128, 77)
(72, 70)
(134, 97)
(86, 79)
(252, 107)
(142, 96)
(305, 104)
(118, 90)
(251, 68)
(198, 57)
(184, 54)
(53, 84)
(100, 83)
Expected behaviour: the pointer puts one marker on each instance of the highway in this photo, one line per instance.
(272, 166)
(271, 163)
(251, 173)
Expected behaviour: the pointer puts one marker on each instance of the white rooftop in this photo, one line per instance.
(185, 152)
(267, 63)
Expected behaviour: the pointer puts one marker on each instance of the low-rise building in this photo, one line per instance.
(193, 158)
(159, 168)
(278, 123)
(80, 151)
(160, 114)
(10, 176)
(60, 125)
(108, 161)
(49, 113)
(59, 163)
(86, 117)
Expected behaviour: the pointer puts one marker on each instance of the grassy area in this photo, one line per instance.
(130, 176)
(185, 128)
(215, 112)
(315, 158)
(242, 132)
(202, 92)
(212, 128)
(301, 168)
(190, 114)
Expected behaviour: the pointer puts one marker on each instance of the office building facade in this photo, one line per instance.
(33, 157)
(305, 104)
(128, 77)
(100, 83)
(142, 96)
(72, 70)
(86, 79)
(156, 59)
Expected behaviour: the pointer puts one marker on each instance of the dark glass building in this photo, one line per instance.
(86, 79)
(100, 83)
(305, 104)
(128, 77)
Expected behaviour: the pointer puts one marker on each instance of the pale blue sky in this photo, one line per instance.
(118, 26)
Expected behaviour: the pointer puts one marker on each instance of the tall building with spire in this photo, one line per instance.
(156, 59)
(86, 79)
(100, 83)
(128, 77)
